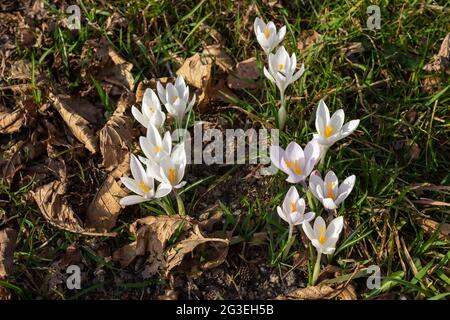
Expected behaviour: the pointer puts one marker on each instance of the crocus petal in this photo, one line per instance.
(337, 120)
(335, 227)
(331, 183)
(299, 73)
(345, 188)
(281, 35)
(137, 170)
(161, 92)
(163, 190)
(282, 214)
(180, 185)
(329, 204)
(130, 200)
(131, 185)
(349, 127)
(294, 151)
(322, 117)
(319, 225)
(306, 226)
(312, 154)
(276, 155)
(139, 116)
(309, 216)
(268, 75)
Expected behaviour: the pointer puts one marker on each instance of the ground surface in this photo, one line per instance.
(395, 79)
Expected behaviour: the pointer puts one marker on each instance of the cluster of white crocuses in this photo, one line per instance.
(282, 67)
(299, 164)
(163, 162)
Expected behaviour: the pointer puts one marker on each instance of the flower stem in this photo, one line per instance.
(289, 243)
(316, 268)
(282, 113)
(323, 153)
(180, 204)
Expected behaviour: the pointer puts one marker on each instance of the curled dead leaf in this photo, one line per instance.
(177, 253)
(56, 210)
(244, 75)
(7, 246)
(152, 234)
(108, 68)
(116, 139)
(321, 292)
(20, 154)
(103, 211)
(219, 56)
(11, 120)
(79, 126)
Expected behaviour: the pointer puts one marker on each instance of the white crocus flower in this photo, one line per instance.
(331, 129)
(281, 72)
(154, 146)
(267, 35)
(176, 99)
(323, 238)
(142, 184)
(282, 68)
(293, 212)
(293, 209)
(328, 191)
(170, 169)
(295, 162)
(151, 110)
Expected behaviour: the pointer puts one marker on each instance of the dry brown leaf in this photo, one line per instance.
(309, 293)
(320, 292)
(430, 226)
(111, 71)
(441, 61)
(307, 39)
(169, 295)
(197, 73)
(176, 254)
(152, 234)
(7, 246)
(116, 139)
(79, 126)
(11, 120)
(126, 254)
(244, 75)
(103, 211)
(56, 210)
(21, 70)
(219, 56)
(21, 153)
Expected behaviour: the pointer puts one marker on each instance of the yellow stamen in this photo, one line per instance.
(293, 207)
(174, 99)
(288, 163)
(322, 238)
(328, 131)
(144, 187)
(157, 148)
(267, 31)
(330, 193)
(297, 168)
(281, 67)
(172, 173)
